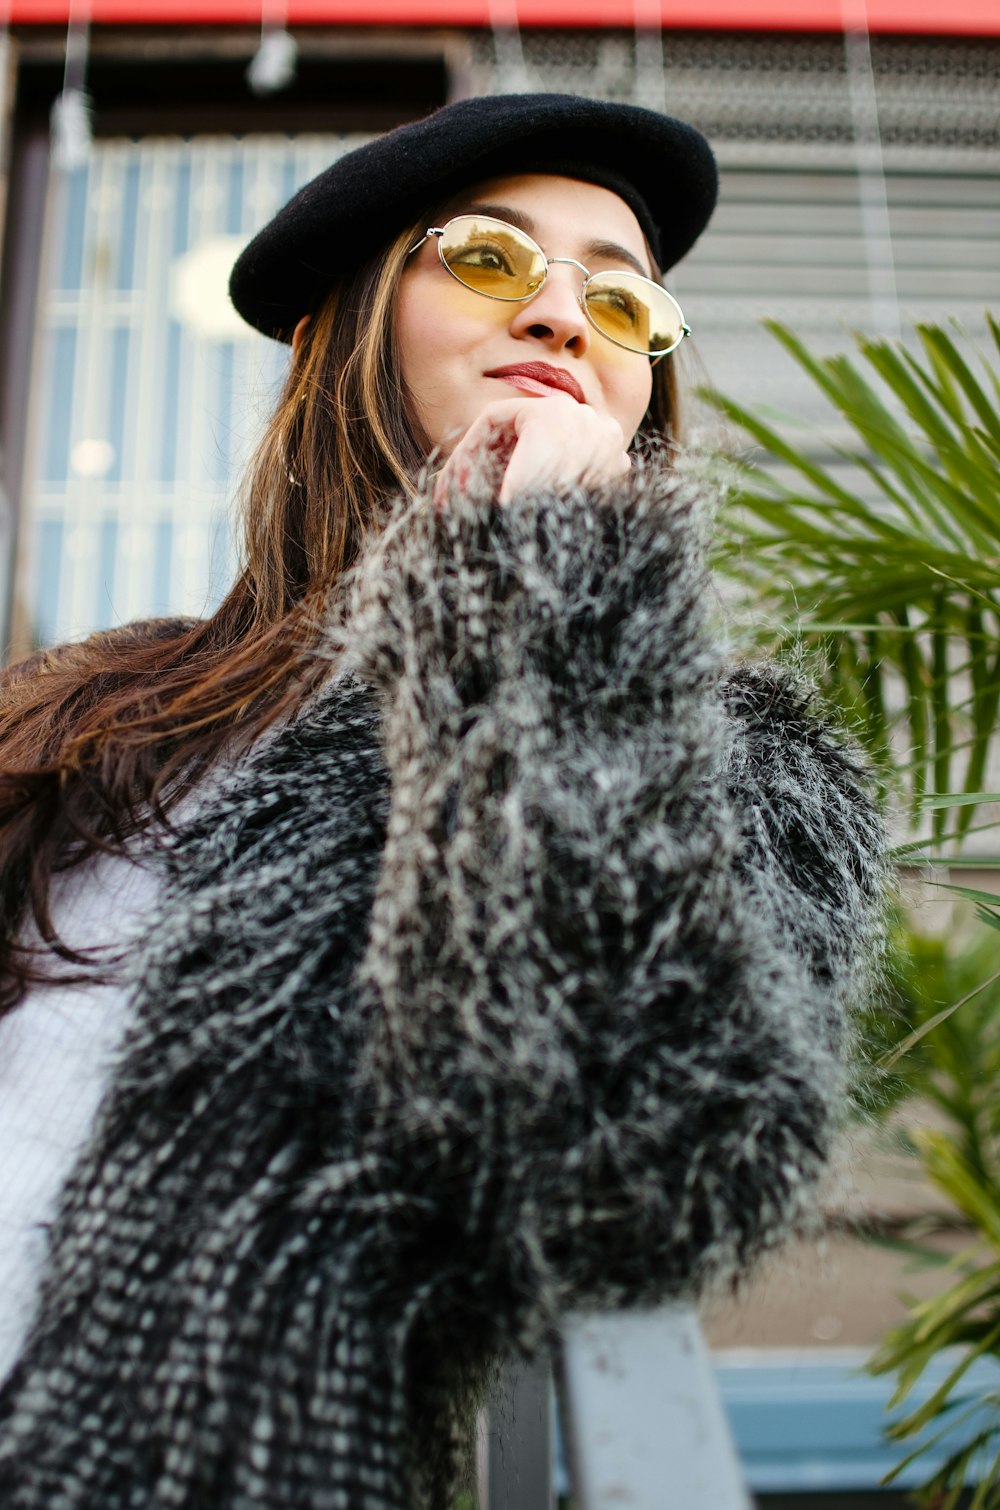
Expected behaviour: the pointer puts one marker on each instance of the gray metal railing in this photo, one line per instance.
(641, 1415)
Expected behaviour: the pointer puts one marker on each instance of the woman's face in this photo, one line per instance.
(460, 351)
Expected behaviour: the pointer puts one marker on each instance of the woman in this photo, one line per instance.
(495, 941)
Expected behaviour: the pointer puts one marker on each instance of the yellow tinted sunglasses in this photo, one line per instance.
(499, 261)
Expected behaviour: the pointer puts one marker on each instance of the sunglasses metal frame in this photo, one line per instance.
(438, 231)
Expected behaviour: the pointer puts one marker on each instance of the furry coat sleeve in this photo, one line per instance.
(624, 902)
(512, 977)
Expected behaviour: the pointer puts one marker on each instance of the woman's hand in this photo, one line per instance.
(540, 443)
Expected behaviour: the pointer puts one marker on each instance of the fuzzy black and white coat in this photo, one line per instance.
(511, 977)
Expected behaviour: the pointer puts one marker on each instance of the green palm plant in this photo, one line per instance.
(955, 1068)
(888, 562)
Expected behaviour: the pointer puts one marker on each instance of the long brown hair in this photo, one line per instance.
(100, 738)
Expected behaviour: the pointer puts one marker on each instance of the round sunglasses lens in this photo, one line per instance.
(492, 258)
(633, 312)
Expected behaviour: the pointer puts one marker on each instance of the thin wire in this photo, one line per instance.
(6, 81)
(511, 69)
(77, 47)
(876, 227)
(4, 52)
(650, 69)
(71, 119)
(274, 64)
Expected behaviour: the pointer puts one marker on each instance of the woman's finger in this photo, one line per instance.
(485, 447)
(538, 442)
(564, 448)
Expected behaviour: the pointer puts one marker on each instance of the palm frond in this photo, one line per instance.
(886, 560)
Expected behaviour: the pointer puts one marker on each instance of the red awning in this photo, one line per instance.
(957, 18)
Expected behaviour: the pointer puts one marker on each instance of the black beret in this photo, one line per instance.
(662, 168)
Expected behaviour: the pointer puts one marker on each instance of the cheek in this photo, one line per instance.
(626, 382)
(436, 318)
(442, 333)
(419, 344)
(415, 330)
(631, 396)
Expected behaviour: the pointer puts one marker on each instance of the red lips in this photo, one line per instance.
(541, 372)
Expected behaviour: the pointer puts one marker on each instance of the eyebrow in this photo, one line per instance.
(523, 222)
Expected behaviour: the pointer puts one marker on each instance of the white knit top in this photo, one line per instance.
(55, 1054)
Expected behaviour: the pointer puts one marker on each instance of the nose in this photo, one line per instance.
(554, 316)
